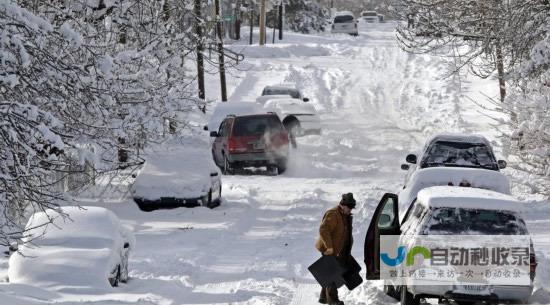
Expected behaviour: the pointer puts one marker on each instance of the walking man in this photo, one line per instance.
(335, 238)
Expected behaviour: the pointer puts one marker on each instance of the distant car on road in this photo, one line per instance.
(370, 16)
(344, 23)
(280, 91)
(88, 248)
(179, 176)
(251, 141)
(298, 118)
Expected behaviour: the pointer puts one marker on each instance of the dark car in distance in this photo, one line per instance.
(251, 141)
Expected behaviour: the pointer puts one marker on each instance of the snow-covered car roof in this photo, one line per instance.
(467, 198)
(343, 13)
(80, 250)
(457, 137)
(262, 100)
(437, 176)
(179, 171)
(287, 106)
(222, 110)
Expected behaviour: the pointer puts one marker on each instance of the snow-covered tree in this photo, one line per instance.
(81, 82)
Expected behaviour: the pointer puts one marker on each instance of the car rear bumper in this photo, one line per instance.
(497, 293)
(257, 159)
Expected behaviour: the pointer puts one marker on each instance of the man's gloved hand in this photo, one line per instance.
(329, 251)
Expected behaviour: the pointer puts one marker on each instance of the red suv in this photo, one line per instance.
(251, 140)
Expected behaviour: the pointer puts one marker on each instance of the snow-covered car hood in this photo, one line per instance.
(438, 176)
(288, 106)
(180, 172)
(78, 251)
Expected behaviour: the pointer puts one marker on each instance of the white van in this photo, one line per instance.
(344, 23)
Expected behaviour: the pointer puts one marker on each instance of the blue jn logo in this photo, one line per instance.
(402, 255)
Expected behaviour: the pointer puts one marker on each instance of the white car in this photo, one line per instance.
(344, 23)
(89, 248)
(178, 176)
(456, 212)
(299, 118)
(370, 16)
(224, 109)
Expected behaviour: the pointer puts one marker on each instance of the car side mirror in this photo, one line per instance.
(502, 164)
(205, 128)
(305, 99)
(411, 159)
(213, 174)
(405, 167)
(126, 245)
(214, 134)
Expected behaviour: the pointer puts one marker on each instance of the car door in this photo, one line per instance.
(385, 221)
(217, 146)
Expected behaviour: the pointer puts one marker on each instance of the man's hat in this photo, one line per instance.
(348, 200)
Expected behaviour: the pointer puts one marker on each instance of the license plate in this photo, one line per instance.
(259, 145)
(476, 288)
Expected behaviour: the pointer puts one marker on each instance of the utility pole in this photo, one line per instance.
(238, 20)
(262, 22)
(251, 8)
(197, 9)
(281, 20)
(220, 50)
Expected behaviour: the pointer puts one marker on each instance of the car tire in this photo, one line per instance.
(390, 291)
(281, 166)
(408, 298)
(206, 201)
(114, 281)
(273, 170)
(227, 168)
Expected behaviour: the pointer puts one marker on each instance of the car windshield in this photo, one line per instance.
(282, 91)
(256, 125)
(343, 19)
(369, 14)
(445, 221)
(460, 154)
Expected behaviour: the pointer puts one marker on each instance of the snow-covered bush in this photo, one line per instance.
(306, 16)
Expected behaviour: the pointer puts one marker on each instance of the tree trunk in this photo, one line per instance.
(200, 49)
(221, 57)
(262, 22)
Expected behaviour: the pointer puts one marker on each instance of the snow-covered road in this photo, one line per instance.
(377, 104)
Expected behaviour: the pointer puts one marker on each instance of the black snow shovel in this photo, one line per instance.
(327, 270)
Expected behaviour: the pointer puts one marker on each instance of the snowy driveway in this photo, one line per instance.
(377, 103)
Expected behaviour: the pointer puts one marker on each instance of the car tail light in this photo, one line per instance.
(234, 145)
(532, 265)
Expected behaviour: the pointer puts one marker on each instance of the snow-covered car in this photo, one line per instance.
(456, 212)
(88, 248)
(454, 150)
(280, 91)
(370, 16)
(298, 118)
(222, 110)
(344, 23)
(178, 176)
(440, 176)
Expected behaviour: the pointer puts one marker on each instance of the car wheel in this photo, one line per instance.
(390, 291)
(281, 166)
(114, 280)
(408, 298)
(273, 170)
(227, 168)
(207, 200)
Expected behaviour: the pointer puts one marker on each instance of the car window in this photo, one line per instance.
(388, 214)
(370, 14)
(343, 19)
(443, 153)
(445, 221)
(221, 131)
(415, 215)
(256, 125)
(282, 91)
